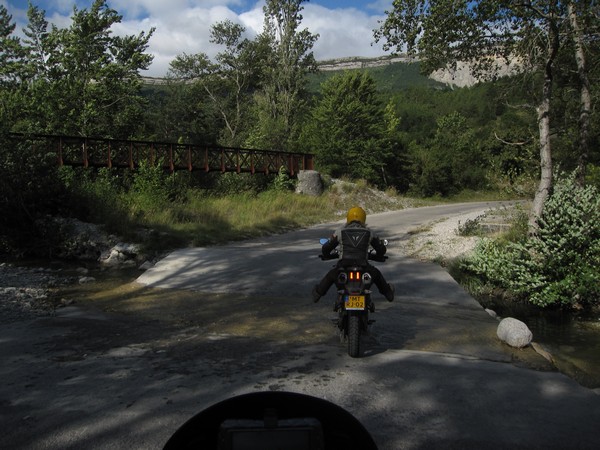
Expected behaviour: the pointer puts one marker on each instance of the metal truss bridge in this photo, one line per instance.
(95, 152)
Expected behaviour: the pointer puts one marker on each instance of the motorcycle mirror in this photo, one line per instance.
(323, 241)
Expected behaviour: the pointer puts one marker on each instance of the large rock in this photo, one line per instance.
(80, 241)
(83, 241)
(309, 182)
(514, 332)
(121, 255)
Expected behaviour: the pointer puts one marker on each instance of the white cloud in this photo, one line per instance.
(342, 32)
(183, 26)
(187, 31)
(64, 6)
(253, 19)
(162, 8)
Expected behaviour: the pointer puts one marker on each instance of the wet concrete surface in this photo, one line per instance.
(126, 366)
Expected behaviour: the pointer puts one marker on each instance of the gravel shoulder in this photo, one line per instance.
(439, 241)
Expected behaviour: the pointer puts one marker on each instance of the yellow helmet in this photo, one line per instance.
(356, 214)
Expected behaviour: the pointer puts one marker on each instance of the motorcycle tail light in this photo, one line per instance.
(354, 275)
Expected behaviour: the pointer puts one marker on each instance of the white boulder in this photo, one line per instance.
(514, 332)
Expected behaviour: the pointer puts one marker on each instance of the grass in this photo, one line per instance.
(204, 219)
(199, 217)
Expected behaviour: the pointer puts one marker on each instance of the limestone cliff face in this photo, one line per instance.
(361, 63)
(460, 77)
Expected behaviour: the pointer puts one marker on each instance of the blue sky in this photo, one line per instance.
(345, 27)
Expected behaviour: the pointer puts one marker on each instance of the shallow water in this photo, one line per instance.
(573, 339)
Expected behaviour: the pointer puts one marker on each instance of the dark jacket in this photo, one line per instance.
(354, 240)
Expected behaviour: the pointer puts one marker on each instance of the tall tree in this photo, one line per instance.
(26, 181)
(288, 61)
(11, 50)
(576, 12)
(446, 32)
(347, 129)
(36, 42)
(94, 75)
(181, 112)
(229, 81)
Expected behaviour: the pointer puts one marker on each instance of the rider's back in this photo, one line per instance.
(354, 244)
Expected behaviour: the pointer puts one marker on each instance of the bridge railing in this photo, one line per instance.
(93, 152)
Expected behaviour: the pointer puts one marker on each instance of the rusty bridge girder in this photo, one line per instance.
(113, 153)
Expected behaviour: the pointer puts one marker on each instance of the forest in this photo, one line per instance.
(391, 127)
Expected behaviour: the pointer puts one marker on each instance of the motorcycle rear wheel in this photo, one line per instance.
(353, 336)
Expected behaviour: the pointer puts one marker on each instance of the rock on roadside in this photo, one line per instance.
(82, 241)
(309, 183)
(514, 333)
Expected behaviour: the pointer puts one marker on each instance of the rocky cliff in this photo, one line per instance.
(460, 77)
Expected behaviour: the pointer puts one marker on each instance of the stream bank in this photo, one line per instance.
(572, 339)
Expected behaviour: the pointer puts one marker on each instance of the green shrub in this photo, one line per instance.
(232, 183)
(29, 190)
(282, 182)
(152, 188)
(559, 265)
(471, 227)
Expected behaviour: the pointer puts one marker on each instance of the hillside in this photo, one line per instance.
(392, 73)
(400, 71)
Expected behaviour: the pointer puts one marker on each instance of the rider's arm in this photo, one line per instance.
(330, 245)
(378, 245)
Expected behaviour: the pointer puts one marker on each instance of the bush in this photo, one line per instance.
(232, 183)
(29, 190)
(471, 227)
(282, 182)
(560, 265)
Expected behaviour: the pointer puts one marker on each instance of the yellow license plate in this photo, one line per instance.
(355, 302)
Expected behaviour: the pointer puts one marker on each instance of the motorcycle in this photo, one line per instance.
(272, 420)
(354, 302)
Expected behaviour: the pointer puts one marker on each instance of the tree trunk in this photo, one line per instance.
(545, 184)
(585, 95)
(543, 114)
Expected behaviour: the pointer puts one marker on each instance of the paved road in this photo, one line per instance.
(433, 374)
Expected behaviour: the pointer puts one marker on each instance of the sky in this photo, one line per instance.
(345, 27)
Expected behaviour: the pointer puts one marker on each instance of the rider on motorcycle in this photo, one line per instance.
(354, 240)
